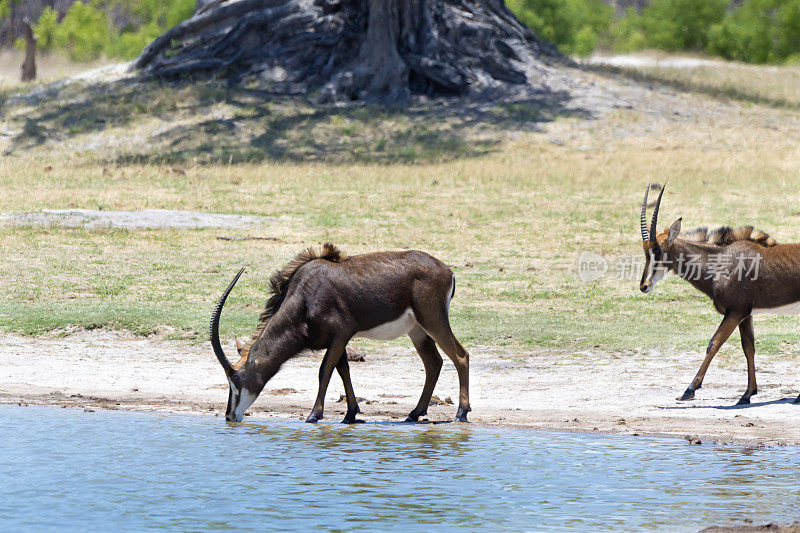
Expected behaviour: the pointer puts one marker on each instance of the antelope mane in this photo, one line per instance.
(280, 280)
(725, 235)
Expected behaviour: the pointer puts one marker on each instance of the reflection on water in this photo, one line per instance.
(64, 469)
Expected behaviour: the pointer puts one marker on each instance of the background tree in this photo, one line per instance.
(372, 50)
(29, 65)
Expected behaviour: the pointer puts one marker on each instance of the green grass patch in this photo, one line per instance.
(509, 216)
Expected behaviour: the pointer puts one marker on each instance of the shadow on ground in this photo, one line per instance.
(211, 122)
(734, 406)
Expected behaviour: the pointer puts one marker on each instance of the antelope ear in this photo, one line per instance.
(674, 231)
(239, 346)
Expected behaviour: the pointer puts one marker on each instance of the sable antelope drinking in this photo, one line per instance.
(324, 300)
(743, 272)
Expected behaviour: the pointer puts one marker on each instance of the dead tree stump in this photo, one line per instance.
(344, 50)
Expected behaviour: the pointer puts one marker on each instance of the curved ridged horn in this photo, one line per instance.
(642, 221)
(653, 224)
(223, 360)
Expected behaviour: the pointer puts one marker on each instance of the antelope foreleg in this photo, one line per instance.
(749, 347)
(343, 367)
(724, 331)
(329, 362)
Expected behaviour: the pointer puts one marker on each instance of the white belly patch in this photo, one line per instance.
(391, 330)
(789, 309)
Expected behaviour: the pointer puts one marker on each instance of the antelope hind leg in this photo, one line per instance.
(426, 348)
(460, 357)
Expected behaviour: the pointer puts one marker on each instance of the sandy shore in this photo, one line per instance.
(592, 391)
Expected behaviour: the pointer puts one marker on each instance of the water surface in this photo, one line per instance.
(69, 470)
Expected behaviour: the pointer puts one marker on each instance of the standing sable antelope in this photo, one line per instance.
(324, 300)
(742, 271)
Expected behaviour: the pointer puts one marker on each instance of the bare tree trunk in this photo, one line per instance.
(378, 58)
(29, 65)
(367, 50)
(378, 73)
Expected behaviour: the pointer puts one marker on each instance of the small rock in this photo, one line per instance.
(435, 400)
(283, 392)
(87, 410)
(693, 440)
(356, 355)
(343, 398)
(163, 330)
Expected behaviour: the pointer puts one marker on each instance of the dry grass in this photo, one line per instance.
(771, 85)
(511, 219)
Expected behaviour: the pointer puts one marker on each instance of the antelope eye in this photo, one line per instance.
(657, 253)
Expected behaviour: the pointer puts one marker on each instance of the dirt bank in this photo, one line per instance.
(645, 60)
(595, 391)
(133, 220)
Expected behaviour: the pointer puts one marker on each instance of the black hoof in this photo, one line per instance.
(413, 416)
(743, 401)
(313, 418)
(461, 415)
(688, 395)
(348, 419)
